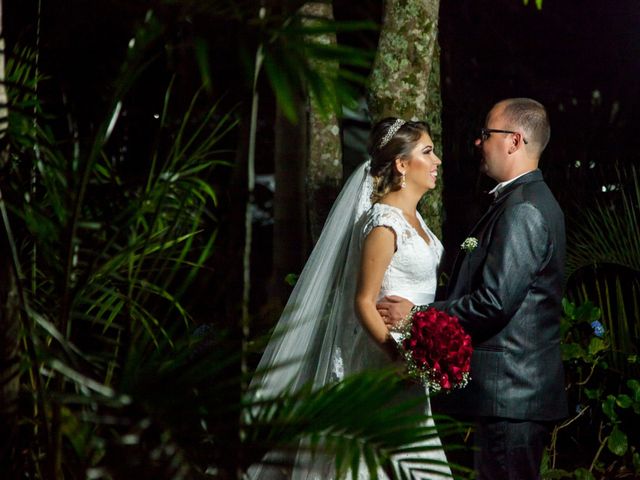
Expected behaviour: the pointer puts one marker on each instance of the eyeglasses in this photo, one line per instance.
(486, 132)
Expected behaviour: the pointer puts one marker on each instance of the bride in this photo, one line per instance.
(374, 235)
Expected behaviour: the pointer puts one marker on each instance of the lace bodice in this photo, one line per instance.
(412, 272)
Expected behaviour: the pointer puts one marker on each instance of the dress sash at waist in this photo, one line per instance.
(417, 298)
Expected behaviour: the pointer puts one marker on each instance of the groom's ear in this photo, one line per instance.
(516, 142)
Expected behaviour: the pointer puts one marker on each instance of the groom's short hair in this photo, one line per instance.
(532, 117)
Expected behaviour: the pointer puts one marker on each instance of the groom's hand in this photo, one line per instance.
(393, 309)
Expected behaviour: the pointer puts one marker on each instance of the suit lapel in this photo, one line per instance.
(473, 233)
(533, 176)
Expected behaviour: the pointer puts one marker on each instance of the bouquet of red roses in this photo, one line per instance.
(436, 349)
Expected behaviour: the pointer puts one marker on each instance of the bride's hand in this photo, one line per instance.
(393, 309)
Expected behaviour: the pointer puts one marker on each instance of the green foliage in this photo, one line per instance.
(293, 52)
(20, 83)
(605, 413)
(603, 266)
(100, 259)
(291, 279)
(365, 416)
(538, 3)
(296, 61)
(609, 232)
(114, 383)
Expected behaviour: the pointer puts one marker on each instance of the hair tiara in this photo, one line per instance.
(393, 129)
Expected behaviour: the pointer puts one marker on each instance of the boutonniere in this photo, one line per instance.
(469, 244)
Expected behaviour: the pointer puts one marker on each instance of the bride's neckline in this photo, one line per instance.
(426, 237)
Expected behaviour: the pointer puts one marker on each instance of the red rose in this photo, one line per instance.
(437, 350)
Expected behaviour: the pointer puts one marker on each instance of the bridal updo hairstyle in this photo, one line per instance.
(386, 177)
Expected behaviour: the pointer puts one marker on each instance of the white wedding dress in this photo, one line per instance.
(325, 290)
(412, 274)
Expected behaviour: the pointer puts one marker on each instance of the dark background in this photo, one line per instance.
(579, 58)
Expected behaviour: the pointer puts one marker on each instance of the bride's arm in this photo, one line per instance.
(377, 250)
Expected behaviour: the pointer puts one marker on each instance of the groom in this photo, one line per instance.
(507, 293)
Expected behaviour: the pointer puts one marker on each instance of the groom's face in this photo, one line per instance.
(494, 149)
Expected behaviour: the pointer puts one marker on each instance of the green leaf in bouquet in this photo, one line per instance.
(618, 442)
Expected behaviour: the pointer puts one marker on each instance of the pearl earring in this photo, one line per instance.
(403, 184)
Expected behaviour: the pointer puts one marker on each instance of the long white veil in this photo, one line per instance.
(319, 317)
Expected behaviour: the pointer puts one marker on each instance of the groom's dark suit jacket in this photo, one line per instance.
(507, 294)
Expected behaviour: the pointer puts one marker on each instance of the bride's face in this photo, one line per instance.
(421, 168)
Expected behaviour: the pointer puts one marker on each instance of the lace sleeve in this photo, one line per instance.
(382, 215)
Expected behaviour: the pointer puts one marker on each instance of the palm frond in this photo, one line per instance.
(298, 59)
(366, 417)
(104, 255)
(603, 264)
(608, 233)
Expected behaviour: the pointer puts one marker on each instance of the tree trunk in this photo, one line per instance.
(289, 230)
(324, 165)
(405, 80)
